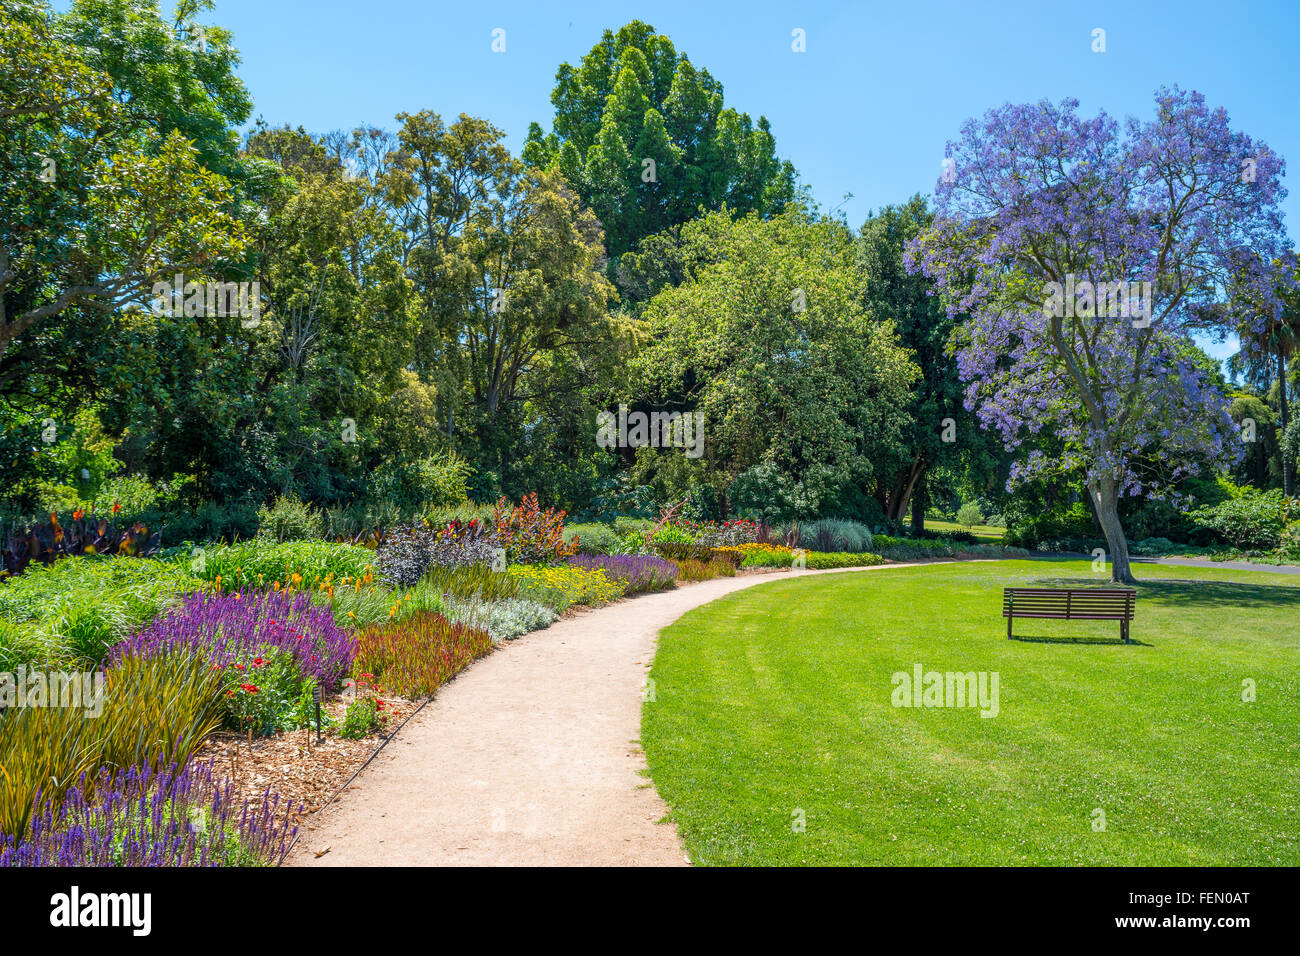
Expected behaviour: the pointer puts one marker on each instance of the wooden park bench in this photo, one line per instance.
(1071, 604)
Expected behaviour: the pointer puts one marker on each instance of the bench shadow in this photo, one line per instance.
(1030, 639)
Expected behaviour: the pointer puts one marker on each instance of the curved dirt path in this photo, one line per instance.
(530, 757)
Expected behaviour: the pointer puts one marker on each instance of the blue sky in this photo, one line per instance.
(865, 110)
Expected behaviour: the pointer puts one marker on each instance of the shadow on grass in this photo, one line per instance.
(1179, 592)
(1118, 641)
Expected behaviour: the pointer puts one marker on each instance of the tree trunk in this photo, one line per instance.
(1105, 497)
(1284, 408)
(920, 501)
(897, 501)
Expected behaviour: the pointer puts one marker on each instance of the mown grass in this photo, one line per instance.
(986, 533)
(777, 700)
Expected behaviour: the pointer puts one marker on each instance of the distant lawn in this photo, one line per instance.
(984, 532)
(778, 699)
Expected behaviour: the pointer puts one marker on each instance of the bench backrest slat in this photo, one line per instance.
(1083, 604)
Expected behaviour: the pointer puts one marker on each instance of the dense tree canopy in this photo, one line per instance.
(435, 312)
(644, 137)
(768, 338)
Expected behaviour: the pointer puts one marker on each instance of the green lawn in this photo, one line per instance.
(985, 533)
(778, 699)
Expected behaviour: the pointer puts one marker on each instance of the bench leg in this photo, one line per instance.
(1008, 627)
(1123, 630)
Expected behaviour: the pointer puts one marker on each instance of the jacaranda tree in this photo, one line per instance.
(1085, 254)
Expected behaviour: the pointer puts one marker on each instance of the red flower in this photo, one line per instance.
(248, 688)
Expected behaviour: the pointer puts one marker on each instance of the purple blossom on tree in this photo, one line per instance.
(1043, 240)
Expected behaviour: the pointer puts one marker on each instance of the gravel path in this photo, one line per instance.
(530, 757)
(1231, 565)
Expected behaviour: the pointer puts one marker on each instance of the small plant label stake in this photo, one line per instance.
(315, 699)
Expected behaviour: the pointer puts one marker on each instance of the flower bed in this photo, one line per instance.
(225, 627)
(146, 817)
(638, 573)
(417, 656)
(562, 586)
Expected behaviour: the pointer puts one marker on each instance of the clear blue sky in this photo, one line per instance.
(865, 110)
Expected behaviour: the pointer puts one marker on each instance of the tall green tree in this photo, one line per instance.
(1270, 338)
(644, 138)
(938, 428)
(98, 199)
(769, 339)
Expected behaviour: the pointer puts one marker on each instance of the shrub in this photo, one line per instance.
(229, 627)
(1290, 545)
(503, 619)
(820, 560)
(1155, 547)
(969, 515)
(529, 534)
(623, 526)
(1252, 520)
(728, 554)
(817, 560)
(1076, 521)
(150, 817)
(682, 550)
(693, 570)
(406, 554)
(439, 481)
(363, 716)
(594, 538)
(673, 534)
(637, 573)
(289, 519)
(291, 565)
(136, 494)
(78, 608)
(562, 586)
(913, 549)
(827, 534)
(744, 550)
(263, 690)
(735, 531)
(415, 657)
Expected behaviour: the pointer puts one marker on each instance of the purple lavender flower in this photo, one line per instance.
(641, 572)
(144, 817)
(228, 626)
